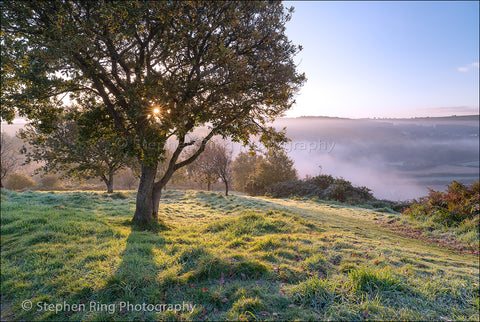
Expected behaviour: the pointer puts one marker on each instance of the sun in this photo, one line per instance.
(156, 111)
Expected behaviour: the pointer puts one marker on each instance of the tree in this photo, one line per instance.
(275, 167)
(160, 68)
(256, 173)
(221, 161)
(8, 156)
(243, 169)
(75, 151)
(213, 164)
(202, 168)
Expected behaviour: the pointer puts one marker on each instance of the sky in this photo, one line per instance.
(386, 58)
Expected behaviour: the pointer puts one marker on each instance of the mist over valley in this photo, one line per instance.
(397, 158)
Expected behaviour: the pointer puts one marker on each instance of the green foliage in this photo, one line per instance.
(322, 181)
(75, 147)
(458, 204)
(18, 181)
(254, 174)
(243, 168)
(317, 263)
(277, 166)
(322, 186)
(154, 71)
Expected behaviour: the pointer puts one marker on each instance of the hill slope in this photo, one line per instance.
(220, 258)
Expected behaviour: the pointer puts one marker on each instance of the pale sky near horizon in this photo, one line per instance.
(386, 58)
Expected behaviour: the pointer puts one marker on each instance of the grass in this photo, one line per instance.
(217, 258)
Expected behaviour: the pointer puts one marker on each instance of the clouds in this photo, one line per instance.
(465, 69)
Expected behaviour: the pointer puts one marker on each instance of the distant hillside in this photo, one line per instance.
(442, 118)
(474, 117)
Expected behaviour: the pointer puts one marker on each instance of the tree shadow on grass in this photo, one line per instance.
(135, 282)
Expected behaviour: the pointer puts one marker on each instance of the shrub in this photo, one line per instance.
(459, 203)
(294, 188)
(342, 190)
(322, 181)
(322, 186)
(49, 182)
(18, 181)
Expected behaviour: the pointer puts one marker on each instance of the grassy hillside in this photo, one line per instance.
(233, 257)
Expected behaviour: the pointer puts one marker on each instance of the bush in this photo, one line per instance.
(342, 190)
(458, 204)
(294, 188)
(323, 187)
(48, 183)
(18, 181)
(322, 181)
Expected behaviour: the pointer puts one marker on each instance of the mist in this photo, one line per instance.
(398, 159)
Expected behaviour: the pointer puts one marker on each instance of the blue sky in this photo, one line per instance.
(386, 59)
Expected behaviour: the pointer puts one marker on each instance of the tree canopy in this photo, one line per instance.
(255, 173)
(159, 68)
(77, 150)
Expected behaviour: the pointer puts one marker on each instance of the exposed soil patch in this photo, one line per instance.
(409, 231)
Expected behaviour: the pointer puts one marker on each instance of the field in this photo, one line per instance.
(75, 256)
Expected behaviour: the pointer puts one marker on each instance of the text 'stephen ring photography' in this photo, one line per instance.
(250, 160)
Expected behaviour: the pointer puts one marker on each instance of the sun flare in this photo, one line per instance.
(156, 111)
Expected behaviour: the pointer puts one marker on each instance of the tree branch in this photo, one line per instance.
(173, 166)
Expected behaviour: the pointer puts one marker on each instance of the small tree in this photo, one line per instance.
(255, 173)
(277, 166)
(221, 158)
(213, 165)
(76, 151)
(8, 155)
(243, 169)
(202, 169)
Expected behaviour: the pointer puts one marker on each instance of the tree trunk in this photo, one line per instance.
(226, 187)
(157, 194)
(110, 183)
(144, 212)
(208, 185)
